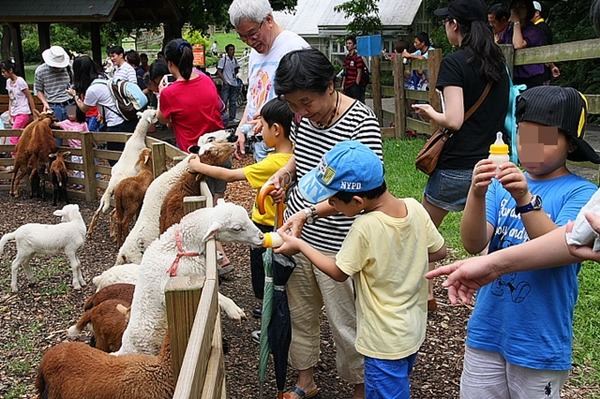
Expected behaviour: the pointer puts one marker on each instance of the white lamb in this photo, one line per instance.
(125, 273)
(126, 166)
(67, 236)
(146, 228)
(226, 222)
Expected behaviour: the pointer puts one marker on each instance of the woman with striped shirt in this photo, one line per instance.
(305, 79)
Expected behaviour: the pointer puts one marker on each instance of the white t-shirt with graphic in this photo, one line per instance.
(262, 68)
(19, 104)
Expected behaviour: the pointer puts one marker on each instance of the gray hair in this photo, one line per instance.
(253, 10)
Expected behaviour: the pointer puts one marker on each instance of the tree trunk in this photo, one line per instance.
(172, 31)
(6, 40)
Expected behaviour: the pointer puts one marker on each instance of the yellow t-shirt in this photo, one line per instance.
(257, 175)
(387, 258)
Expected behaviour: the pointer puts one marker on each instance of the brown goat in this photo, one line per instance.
(59, 176)
(73, 370)
(171, 210)
(129, 195)
(108, 322)
(21, 155)
(40, 146)
(122, 291)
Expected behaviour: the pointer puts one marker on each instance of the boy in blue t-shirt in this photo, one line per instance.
(519, 336)
(386, 252)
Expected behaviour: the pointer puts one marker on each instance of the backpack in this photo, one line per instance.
(128, 96)
(365, 79)
(510, 122)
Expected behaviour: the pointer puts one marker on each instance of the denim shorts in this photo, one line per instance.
(448, 188)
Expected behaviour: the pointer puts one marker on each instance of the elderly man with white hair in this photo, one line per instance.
(254, 23)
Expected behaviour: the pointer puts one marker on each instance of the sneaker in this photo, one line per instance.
(257, 312)
(255, 335)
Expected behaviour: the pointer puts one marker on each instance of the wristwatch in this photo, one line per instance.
(534, 205)
(311, 214)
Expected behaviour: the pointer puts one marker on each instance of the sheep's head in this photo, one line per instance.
(220, 136)
(68, 212)
(230, 223)
(148, 116)
(216, 153)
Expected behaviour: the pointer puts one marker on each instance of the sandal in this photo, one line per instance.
(301, 393)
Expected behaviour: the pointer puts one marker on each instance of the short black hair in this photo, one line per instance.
(346, 196)
(229, 46)
(352, 39)
(423, 37)
(500, 11)
(278, 111)
(158, 69)
(115, 50)
(306, 69)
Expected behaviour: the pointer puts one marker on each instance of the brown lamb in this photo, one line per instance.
(59, 177)
(171, 210)
(129, 195)
(21, 156)
(108, 320)
(122, 291)
(74, 370)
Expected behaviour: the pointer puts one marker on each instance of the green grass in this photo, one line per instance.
(223, 39)
(404, 180)
(16, 391)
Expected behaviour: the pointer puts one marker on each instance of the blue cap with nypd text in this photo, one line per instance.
(349, 166)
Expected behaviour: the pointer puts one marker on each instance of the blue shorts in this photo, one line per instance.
(448, 188)
(388, 379)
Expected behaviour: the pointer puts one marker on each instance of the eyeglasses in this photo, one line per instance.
(252, 35)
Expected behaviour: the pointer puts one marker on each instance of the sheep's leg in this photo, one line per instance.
(78, 280)
(232, 310)
(21, 259)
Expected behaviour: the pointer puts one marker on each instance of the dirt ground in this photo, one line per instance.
(36, 318)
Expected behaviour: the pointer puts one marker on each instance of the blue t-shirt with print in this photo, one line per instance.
(527, 317)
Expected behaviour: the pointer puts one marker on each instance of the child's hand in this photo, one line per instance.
(195, 164)
(513, 180)
(290, 246)
(483, 172)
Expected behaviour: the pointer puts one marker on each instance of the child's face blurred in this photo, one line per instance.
(541, 148)
(348, 209)
(5, 73)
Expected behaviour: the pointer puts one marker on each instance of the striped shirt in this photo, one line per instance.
(52, 84)
(311, 143)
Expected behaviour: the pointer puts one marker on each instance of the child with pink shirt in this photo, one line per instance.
(75, 123)
(20, 101)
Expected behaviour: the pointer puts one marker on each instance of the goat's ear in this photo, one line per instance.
(214, 228)
(52, 155)
(221, 201)
(193, 149)
(58, 212)
(66, 154)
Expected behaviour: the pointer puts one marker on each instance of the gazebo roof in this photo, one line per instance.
(65, 11)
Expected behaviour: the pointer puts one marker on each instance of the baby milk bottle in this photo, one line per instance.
(272, 240)
(499, 151)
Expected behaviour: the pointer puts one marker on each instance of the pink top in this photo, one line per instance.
(73, 127)
(194, 108)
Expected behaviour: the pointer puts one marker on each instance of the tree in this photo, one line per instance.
(364, 14)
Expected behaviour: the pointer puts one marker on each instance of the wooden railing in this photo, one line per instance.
(581, 50)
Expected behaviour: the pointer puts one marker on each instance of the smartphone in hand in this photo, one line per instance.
(168, 79)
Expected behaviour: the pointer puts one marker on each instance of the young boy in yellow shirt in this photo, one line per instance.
(386, 253)
(276, 118)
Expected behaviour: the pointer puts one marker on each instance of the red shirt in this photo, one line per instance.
(194, 108)
(352, 63)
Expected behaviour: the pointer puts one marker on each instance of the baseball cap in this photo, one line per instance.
(563, 107)
(349, 166)
(464, 11)
(56, 57)
(537, 6)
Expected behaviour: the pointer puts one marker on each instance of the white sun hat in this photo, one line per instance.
(56, 57)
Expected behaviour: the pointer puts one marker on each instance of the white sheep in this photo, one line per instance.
(127, 165)
(226, 222)
(146, 228)
(67, 236)
(125, 273)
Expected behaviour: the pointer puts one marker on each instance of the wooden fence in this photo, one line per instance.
(191, 302)
(573, 51)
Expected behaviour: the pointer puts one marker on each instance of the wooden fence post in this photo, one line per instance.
(509, 55)
(399, 98)
(89, 169)
(434, 61)
(376, 87)
(159, 158)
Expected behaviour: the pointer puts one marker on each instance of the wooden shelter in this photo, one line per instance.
(95, 12)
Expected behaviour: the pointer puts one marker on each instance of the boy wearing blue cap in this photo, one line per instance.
(519, 337)
(386, 253)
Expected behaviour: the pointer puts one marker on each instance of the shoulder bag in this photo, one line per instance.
(428, 156)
